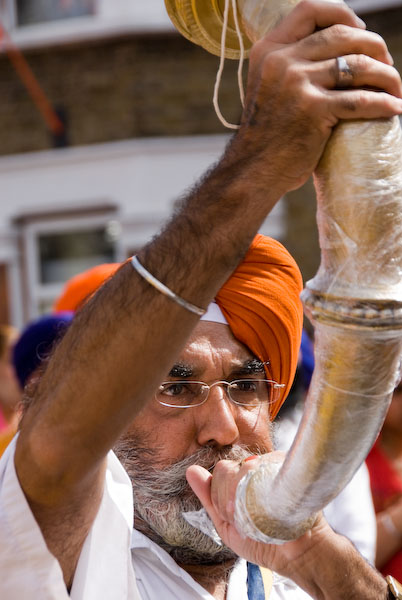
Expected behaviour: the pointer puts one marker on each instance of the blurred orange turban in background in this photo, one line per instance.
(262, 306)
(80, 288)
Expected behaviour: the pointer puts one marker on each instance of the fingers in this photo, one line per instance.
(340, 40)
(302, 22)
(309, 15)
(217, 493)
(200, 480)
(366, 73)
(223, 488)
(299, 64)
(363, 104)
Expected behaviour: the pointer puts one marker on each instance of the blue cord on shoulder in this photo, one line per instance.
(255, 584)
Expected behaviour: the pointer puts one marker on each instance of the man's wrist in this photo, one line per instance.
(343, 574)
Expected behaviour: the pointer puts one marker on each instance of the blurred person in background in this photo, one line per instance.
(20, 359)
(36, 344)
(385, 466)
(351, 513)
(10, 392)
(82, 286)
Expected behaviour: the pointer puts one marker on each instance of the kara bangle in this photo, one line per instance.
(163, 289)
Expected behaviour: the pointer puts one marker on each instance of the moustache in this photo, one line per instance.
(170, 481)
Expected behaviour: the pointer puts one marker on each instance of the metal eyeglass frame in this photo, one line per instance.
(226, 385)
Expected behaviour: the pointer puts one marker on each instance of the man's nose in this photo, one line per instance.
(216, 419)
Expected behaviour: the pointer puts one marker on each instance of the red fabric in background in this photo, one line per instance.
(386, 487)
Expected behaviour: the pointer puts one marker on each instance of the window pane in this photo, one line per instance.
(63, 255)
(40, 11)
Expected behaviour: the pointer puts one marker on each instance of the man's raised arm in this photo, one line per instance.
(125, 340)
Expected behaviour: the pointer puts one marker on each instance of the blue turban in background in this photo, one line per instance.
(37, 341)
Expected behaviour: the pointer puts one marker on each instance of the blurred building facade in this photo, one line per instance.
(135, 98)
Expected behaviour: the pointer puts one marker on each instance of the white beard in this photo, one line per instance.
(162, 495)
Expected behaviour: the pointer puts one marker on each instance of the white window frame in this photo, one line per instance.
(37, 291)
(114, 17)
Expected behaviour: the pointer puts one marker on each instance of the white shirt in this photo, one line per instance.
(159, 576)
(116, 562)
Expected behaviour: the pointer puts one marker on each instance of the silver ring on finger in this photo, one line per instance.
(344, 75)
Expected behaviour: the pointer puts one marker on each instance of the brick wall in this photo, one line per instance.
(117, 89)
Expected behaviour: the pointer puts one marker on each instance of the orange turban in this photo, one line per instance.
(262, 306)
(79, 288)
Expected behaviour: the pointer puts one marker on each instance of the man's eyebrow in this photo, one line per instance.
(249, 367)
(181, 370)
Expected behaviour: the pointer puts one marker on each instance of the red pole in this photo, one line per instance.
(31, 84)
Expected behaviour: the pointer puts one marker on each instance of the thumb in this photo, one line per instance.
(199, 480)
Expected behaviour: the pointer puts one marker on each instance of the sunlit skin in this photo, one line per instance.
(213, 354)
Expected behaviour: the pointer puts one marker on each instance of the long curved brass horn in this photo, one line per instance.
(354, 301)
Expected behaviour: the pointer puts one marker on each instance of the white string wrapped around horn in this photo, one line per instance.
(355, 301)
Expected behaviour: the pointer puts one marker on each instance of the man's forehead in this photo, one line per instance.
(214, 341)
(217, 335)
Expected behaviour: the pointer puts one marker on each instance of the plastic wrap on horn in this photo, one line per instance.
(359, 193)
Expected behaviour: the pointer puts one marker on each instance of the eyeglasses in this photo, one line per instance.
(244, 392)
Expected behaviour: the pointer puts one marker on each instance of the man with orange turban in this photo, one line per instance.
(216, 402)
(174, 382)
(244, 346)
